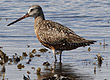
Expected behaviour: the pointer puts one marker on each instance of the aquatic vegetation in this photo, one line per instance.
(3, 76)
(56, 77)
(105, 44)
(21, 57)
(46, 63)
(1, 47)
(17, 59)
(100, 59)
(38, 55)
(38, 70)
(34, 51)
(100, 43)
(20, 66)
(31, 55)
(89, 49)
(26, 78)
(95, 70)
(28, 61)
(28, 72)
(33, 68)
(24, 54)
(10, 63)
(28, 46)
(42, 50)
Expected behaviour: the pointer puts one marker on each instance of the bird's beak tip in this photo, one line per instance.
(25, 16)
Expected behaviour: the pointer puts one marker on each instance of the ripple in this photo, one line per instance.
(100, 26)
(17, 36)
(70, 17)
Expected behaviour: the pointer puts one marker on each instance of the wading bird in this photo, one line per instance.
(52, 34)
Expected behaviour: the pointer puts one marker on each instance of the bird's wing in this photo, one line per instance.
(54, 33)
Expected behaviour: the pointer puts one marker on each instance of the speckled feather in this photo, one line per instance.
(58, 36)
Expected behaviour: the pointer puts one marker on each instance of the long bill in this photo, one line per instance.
(25, 16)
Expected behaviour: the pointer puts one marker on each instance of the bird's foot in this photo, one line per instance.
(60, 60)
(55, 60)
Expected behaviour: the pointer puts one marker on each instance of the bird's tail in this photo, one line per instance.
(87, 42)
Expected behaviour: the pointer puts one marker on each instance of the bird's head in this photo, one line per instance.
(34, 11)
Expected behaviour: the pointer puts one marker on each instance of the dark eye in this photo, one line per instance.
(31, 10)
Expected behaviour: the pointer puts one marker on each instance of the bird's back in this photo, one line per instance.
(53, 34)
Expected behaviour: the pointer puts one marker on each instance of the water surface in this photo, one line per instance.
(88, 18)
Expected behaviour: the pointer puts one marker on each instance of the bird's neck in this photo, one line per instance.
(40, 16)
(38, 20)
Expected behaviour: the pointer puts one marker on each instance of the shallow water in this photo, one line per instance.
(88, 18)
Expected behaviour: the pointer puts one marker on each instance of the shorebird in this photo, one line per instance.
(53, 35)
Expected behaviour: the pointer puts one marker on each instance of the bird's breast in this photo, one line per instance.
(39, 38)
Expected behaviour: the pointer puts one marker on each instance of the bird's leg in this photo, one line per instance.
(60, 55)
(54, 55)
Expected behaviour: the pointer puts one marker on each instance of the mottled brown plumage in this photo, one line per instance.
(52, 34)
(58, 36)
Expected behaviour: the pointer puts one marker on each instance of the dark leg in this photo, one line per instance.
(60, 55)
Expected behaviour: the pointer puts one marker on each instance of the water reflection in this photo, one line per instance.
(63, 72)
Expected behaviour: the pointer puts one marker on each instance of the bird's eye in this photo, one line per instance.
(31, 10)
